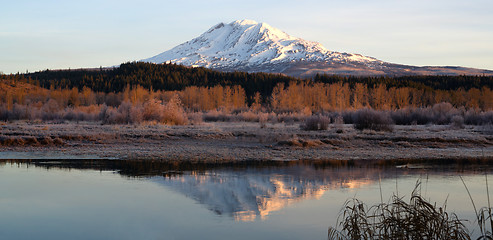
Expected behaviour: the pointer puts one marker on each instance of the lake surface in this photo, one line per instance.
(134, 200)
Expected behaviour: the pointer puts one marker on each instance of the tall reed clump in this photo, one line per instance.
(417, 219)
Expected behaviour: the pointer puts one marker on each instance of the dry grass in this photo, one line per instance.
(417, 219)
(30, 141)
(300, 143)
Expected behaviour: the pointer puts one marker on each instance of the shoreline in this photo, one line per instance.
(239, 141)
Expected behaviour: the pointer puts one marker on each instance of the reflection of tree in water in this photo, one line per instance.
(250, 190)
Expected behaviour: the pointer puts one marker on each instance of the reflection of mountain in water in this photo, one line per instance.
(252, 194)
(250, 190)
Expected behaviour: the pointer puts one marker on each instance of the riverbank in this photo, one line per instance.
(240, 141)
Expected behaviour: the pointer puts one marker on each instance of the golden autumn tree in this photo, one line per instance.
(359, 96)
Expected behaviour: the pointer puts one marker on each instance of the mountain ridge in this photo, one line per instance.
(245, 45)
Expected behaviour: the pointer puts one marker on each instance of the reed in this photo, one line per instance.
(398, 219)
(417, 219)
(484, 215)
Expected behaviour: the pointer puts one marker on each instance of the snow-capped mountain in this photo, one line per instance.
(257, 47)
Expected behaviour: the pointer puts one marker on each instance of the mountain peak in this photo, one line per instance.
(245, 45)
(244, 22)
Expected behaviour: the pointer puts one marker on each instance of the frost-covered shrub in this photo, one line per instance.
(457, 122)
(125, 114)
(217, 116)
(402, 116)
(4, 113)
(248, 116)
(51, 106)
(442, 113)
(152, 110)
(473, 117)
(476, 117)
(263, 118)
(316, 123)
(411, 116)
(291, 117)
(125, 111)
(338, 123)
(195, 118)
(130, 113)
(88, 113)
(72, 115)
(422, 116)
(18, 112)
(50, 111)
(374, 120)
(103, 113)
(109, 115)
(347, 117)
(174, 113)
(487, 117)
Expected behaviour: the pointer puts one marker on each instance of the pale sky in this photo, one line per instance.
(49, 34)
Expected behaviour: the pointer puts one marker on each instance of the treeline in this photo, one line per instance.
(171, 77)
(166, 77)
(427, 82)
(316, 97)
(174, 94)
(342, 96)
(20, 100)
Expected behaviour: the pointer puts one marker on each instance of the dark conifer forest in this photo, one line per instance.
(170, 77)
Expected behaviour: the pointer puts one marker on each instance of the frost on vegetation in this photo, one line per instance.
(29, 141)
(248, 115)
(373, 120)
(168, 109)
(316, 123)
(171, 113)
(339, 123)
(217, 116)
(457, 122)
(440, 114)
(195, 118)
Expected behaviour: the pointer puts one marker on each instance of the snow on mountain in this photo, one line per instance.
(247, 43)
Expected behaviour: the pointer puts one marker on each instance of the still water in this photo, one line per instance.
(56, 200)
